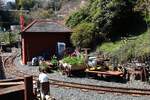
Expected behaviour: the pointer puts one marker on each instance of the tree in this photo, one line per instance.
(83, 35)
(112, 19)
(77, 17)
(111, 16)
(144, 7)
(25, 4)
(8, 37)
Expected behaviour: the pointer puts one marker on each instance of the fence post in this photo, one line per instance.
(28, 92)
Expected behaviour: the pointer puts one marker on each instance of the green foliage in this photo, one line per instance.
(109, 46)
(144, 7)
(54, 60)
(83, 35)
(25, 4)
(8, 37)
(137, 47)
(112, 18)
(73, 60)
(148, 20)
(77, 17)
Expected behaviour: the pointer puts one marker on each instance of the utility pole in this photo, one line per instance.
(21, 16)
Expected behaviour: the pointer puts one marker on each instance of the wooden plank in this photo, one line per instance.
(12, 80)
(113, 73)
(11, 89)
(10, 83)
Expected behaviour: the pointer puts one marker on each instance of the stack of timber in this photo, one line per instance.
(17, 89)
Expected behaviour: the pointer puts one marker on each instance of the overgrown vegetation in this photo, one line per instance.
(99, 22)
(137, 47)
(120, 27)
(111, 19)
(83, 35)
(8, 37)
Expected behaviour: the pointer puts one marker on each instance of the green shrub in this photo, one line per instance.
(8, 37)
(54, 60)
(76, 18)
(73, 60)
(83, 35)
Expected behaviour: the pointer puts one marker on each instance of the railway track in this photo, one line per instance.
(88, 87)
(130, 91)
(8, 64)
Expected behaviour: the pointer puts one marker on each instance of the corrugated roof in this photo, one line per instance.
(45, 26)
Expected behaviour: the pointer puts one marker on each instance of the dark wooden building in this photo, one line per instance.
(42, 36)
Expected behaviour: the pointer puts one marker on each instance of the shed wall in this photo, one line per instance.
(34, 44)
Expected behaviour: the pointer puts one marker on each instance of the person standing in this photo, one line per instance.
(44, 83)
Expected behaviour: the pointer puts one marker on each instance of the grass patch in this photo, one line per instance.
(129, 48)
(110, 46)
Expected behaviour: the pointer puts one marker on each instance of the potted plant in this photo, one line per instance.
(54, 61)
(73, 64)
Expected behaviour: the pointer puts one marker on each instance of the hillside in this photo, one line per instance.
(137, 47)
(123, 23)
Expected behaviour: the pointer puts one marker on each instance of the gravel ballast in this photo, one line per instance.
(76, 94)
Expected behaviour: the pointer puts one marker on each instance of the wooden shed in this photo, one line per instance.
(42, 36)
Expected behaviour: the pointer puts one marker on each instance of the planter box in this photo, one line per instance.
(76, 67)
(69, 70)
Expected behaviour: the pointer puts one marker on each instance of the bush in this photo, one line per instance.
(83, 35)
(112, 19)
(76, 18)
(8, 37)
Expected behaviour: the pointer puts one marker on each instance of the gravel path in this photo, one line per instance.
(84, 80)
(75, 94)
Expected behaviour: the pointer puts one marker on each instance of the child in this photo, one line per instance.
(44, 83)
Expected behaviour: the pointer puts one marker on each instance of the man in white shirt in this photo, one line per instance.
(44, 83)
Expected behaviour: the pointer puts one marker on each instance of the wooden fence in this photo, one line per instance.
(17, 89)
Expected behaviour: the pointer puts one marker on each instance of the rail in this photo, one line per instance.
(123, 90)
